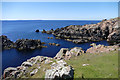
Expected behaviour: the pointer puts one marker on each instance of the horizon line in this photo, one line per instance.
(47, 19)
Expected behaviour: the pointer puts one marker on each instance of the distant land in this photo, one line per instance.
(54, 19)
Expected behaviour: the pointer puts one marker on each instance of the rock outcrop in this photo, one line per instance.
(59, 71)
(54, 44)
(101, 48)
(6, 43)
(26, 44)
(53, 68)
(37, 30)
(106, 29)
(65, 53)
(48, 32)
(20, 44)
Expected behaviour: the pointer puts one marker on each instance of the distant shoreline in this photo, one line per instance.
(49, 20)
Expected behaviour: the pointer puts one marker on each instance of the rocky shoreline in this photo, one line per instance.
(105, 30)
(53, 68)
(20, 44)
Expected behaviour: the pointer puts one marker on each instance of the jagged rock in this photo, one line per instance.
(93, 44)
(33, 72)
(50, 31)
(27, 64)
(114, 38)
(8, 71)
(64, 53)
(90, 32)
(47, 61)
(76, 51)
(61, 53)
(57, 44)
(6, 43)
(43, 31)
(101, 48)
(59, 71)
(28, 44)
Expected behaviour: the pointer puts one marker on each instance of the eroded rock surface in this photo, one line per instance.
(104, 30)
(20, 44)
(24, 44)
(65, 53)
(101, 48)
(6, 43)
(59, 70)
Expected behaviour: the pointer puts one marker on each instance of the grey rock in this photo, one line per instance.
(27, 64)
(61, 53)
(8, 71)
(33, 72)
(59, 70)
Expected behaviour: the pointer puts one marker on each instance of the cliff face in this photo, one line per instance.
(104, 30)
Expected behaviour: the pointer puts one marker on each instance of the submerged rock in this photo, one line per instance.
(43, 31)
(54, 44)
(37, 30)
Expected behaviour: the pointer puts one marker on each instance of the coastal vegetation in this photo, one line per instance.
(98, 61)
(70, 63)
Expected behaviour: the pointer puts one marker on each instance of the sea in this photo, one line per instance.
(25, 29)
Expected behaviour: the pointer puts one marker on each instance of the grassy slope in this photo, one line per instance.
(102, 65)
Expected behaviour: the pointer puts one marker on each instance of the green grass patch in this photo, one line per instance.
(101, 65)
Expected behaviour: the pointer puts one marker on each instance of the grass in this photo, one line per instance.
(101, 65)
(40, 73)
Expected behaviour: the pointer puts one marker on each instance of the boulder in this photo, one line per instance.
(93, 44)
(59, 70)
(37, 30)
(57, 44)
(114, 38)
(47, 61)
(61, 53)
(101, 49)
(76, 51)
(27, 64)
(8, 71)
(43, 31)
(33, 72)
